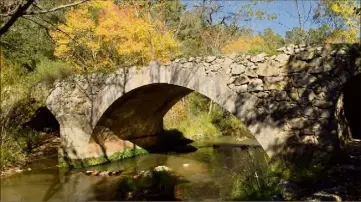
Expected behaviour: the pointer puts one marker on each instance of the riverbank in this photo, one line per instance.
(337, 179)
(48, 147)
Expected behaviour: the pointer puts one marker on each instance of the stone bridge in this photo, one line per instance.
(288, 101)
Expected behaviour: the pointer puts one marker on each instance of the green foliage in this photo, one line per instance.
(197, 103)
(26, 44)
(198, 128)
(272, 40)
(26, 51)
(21, 97)
(204, 120)
(302, 172)
(312, 36)
(342, 17)
(231, 125)
(48, 71)
(11, 153)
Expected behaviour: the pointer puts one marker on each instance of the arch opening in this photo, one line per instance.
(43, 121)
(352, 106)
(136, 120)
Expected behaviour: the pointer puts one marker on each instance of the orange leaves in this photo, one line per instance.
(105, 35)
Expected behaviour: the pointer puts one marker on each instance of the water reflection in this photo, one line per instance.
(206, 174)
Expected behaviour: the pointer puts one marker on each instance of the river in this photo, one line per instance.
(207, 174)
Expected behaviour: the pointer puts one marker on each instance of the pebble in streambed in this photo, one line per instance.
(102, 173)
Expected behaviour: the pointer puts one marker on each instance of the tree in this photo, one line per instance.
(102, 35)
(272, 40)
(342, 16)
(26, 44)
(295, 36)
(244, 44)
(316, 36)
(17, 9)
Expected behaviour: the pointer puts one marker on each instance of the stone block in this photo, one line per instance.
(298, 123)
(281, 96)
(322, 104)
(258, 58)
(237, 69)
(241, 79)
(273, 79)
(188, 65)
(255, 85)
(306, 55)
(210, 58)
(266, 69)
(262, 95)
(227, 62)
(241, 88)
(297, 66)
(294, 95)
(282, 58)
(303, 80)
(250, 73)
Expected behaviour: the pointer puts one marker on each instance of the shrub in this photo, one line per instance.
(48, 71)
(19, 101)
(260, 182)
(198, 120)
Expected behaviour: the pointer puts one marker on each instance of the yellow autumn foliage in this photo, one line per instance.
(102, 35)
(345, 11)
(244, 44)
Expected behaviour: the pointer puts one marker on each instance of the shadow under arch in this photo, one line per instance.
(136, 120)
(44, 121)
(349, 108)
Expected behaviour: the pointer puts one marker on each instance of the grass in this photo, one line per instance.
(48, 71)
(83, 163)
(257, 181)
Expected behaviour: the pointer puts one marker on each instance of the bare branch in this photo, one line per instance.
(56, 8)
(28, 13)
(180, 23)
(22, 11)
(299, 15)
(18, 13)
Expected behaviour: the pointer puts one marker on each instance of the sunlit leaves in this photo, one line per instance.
(244, 44)
(105, 35)
(343, 17)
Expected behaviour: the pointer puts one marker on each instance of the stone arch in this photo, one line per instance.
(96, 104)
(287, 101)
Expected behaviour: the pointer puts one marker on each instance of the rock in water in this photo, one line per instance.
(162, 169)
(88, 172)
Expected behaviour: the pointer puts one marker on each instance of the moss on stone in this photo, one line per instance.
(83, 163)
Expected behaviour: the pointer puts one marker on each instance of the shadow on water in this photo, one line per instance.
(172, 141)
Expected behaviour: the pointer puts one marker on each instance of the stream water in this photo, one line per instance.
(207, 174)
